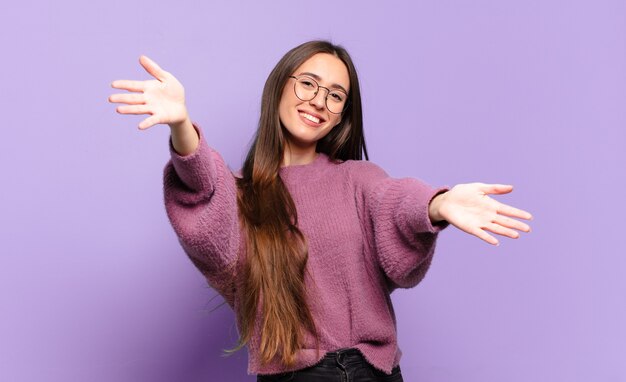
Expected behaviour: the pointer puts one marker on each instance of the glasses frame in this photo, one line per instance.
(345, 106)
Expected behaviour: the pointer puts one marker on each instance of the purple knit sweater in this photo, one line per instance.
(367, 235)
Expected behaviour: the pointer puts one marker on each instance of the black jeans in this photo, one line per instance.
(345, 365)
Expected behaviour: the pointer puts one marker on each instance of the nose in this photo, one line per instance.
(319, 101)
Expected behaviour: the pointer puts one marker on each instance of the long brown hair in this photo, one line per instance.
(276, 257)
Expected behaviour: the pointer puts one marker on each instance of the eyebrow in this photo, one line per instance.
(318, 78)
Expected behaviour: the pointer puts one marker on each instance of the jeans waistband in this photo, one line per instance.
(343, 357)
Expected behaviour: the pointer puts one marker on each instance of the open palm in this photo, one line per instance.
(163, 97)
(469, 208)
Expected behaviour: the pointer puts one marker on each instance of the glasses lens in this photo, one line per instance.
(336, 101)
(306, 88)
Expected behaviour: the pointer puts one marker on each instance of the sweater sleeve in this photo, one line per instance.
(201, 203)
(397, 224)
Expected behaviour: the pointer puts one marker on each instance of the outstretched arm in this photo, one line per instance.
(469, 208)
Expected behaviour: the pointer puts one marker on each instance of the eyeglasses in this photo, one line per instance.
(306, 89)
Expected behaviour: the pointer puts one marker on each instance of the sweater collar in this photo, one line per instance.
(320, 160)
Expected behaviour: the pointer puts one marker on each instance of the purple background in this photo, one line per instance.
(95, 287)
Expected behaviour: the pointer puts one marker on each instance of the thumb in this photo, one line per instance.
(152, 67)
(497, 188)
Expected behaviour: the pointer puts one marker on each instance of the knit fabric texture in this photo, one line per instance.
(367, 234)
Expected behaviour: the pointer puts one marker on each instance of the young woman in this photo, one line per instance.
(308, 241)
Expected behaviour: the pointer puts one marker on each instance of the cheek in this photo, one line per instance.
(282, 114)
(283, 106)
(335, 120)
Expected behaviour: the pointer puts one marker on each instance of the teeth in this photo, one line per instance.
(310, 117)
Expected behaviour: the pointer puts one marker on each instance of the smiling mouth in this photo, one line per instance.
(310, 117)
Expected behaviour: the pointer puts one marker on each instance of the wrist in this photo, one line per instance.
(183, 124)
(184, 137)
(434, 207)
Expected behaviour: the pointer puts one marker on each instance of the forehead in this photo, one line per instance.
(329, 68)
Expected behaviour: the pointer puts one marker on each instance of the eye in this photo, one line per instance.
(307, 84)
(336, 96)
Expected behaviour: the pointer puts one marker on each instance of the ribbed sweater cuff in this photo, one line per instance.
(197, 170)
(410, 199)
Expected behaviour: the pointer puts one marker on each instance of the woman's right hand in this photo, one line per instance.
(163, 98)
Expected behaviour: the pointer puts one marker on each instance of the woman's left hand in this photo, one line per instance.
(469, 208)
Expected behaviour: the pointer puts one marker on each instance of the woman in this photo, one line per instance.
(308, 242)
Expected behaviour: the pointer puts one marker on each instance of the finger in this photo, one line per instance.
(131, 86)
(153, 68)
(133, 109)
(511, 223)
(484, 236)
(504, 209)
(129, 98)
(149, 122)
(497, 188)
(500, 230)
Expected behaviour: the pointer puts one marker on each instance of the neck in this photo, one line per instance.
(294, 155)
